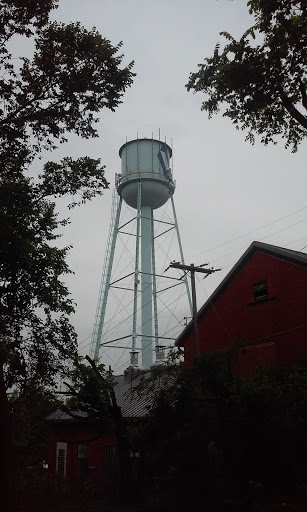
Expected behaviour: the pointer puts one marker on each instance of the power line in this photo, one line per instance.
(264, 238)
(80, 344)
(121, 308)
(250, 232)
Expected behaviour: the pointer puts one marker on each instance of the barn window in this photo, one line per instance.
(260, 291)
(61, 454)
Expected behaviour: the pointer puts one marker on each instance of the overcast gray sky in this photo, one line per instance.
(226, 190)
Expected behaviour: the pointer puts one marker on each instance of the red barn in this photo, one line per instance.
(259, 309)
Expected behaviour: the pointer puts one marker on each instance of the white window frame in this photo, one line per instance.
(61, 446)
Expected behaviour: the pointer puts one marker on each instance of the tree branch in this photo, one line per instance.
(300, 118)
(303, 93)
(111, 389)
(13, 114)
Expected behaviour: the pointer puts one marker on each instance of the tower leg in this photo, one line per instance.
(154, 283)
(106, 277)
(181, 255)
(146, 285)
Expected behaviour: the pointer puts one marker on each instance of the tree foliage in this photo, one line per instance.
(73, 74)
(258, 424)
(30, 432)
(92, 392)
(268, 412)
(259, 81)
(175, 429)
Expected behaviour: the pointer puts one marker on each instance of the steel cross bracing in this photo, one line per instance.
(106, 276)
(143, 215)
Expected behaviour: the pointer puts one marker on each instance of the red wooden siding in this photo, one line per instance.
(273, 331)
(75, 434)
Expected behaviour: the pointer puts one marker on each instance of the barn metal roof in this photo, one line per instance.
(294, 257)
(132, 403)
(60, 416)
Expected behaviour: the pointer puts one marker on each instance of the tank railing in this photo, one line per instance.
(140, 174)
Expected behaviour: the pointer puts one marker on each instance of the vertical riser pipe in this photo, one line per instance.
(146, 285)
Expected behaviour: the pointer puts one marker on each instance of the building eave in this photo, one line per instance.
(294, 257)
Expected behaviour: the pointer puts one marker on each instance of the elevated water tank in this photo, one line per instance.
(147, 160)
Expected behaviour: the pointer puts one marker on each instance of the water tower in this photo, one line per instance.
(145, 184)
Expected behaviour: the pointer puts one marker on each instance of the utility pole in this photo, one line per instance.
(192, 269)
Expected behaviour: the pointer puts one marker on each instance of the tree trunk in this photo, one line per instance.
(6, 451)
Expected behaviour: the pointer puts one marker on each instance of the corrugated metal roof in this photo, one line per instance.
(133, 404)
(60, 415)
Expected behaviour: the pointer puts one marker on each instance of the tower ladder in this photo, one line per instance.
(106, 275)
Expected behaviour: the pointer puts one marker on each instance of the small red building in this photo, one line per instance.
(259, 310)
(80, 450)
